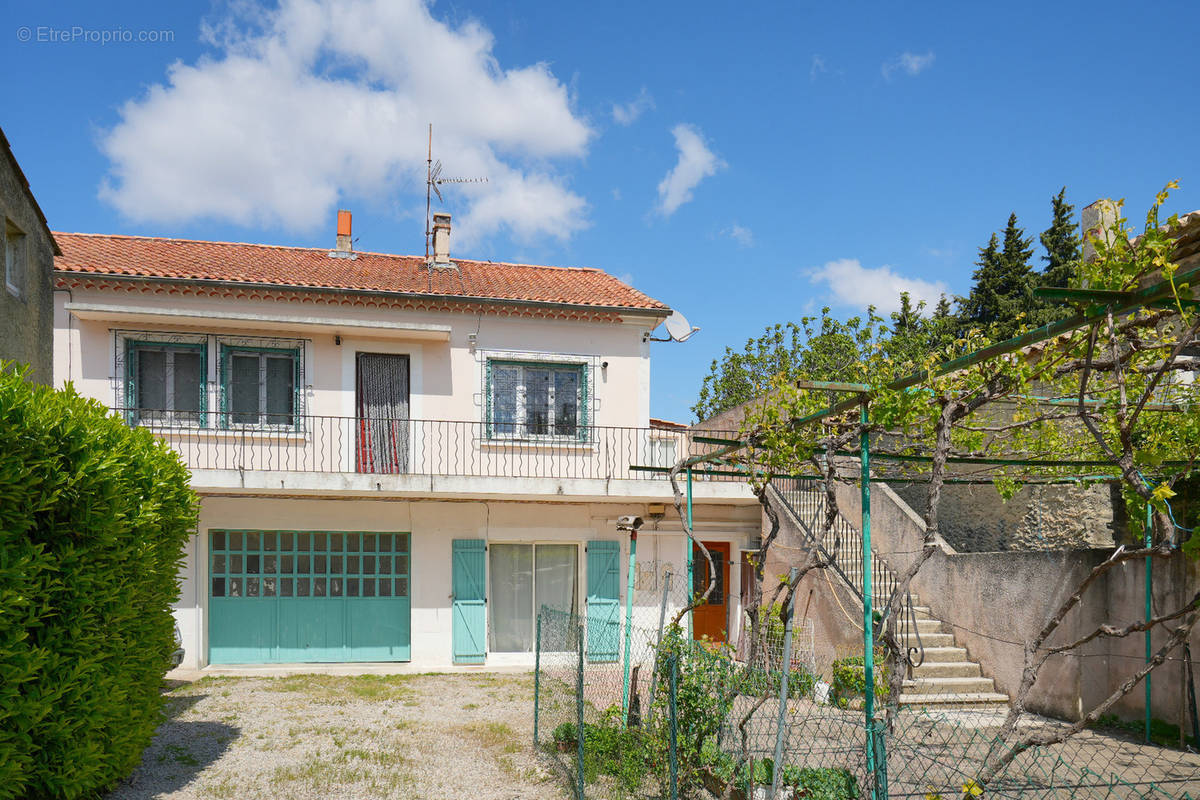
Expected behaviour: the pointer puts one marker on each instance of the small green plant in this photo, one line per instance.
(565, 734)
(849, 679)
(821, 783)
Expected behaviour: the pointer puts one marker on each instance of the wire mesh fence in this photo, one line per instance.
(645, 710)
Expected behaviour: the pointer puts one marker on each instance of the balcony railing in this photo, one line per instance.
(315, 443)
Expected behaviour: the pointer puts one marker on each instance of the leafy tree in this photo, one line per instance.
(818, 348)
(1002, 296)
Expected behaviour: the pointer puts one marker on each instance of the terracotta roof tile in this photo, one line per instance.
(184, 260)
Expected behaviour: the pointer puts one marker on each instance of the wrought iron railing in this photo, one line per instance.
(841, 545)
(317, 443)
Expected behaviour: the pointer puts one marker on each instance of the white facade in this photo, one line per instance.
(461, 480)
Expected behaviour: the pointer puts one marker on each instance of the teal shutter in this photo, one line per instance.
(469, 612)
(603, 600)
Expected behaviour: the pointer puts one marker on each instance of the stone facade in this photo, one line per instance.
(26, 296)
(976, 519)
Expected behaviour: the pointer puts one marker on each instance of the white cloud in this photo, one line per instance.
(320, 101)
(740, 234)
(628, 113)
(818, 67)
(911, 64)
(852, 284)
(696, 162)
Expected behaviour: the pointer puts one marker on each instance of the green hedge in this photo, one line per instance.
(94, 517)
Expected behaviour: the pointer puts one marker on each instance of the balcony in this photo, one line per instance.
(315, 453)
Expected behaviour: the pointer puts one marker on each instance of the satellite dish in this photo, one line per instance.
(678, 328)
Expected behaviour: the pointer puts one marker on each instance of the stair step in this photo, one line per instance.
(929, 640)
(944, 654)
(955, 700)
(924, 626)
(975, 685)
(947, 669)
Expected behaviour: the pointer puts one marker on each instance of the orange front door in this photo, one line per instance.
(711, 619)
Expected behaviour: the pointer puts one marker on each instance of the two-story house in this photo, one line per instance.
(398, 458)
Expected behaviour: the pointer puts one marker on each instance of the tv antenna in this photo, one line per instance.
(678, 329)
(434, 179)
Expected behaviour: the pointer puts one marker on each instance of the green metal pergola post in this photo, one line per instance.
(878, 787)
(629, 621)
(687, 543)
(1148, 538)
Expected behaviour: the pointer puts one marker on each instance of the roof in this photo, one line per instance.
(12, 160)
(185, 260)
(667, 425)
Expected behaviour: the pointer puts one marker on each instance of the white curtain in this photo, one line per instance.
(557, 570)
(518, 589)
(510, 600)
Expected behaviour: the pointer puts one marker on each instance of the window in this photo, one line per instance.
(536, 399)
(166, 382)
(523, 578)
(662, 451)
(260, 385)
(14, 259)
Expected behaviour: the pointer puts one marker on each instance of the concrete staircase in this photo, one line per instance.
(947, 677)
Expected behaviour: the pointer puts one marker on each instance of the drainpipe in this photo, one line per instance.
(629, 620)
(1148, 538)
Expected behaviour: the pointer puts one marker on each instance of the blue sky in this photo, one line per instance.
(745, 164)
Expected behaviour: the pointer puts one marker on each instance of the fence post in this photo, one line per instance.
(631, 584)
(672, 750)
(875, 751)
(785, 667)
(579, 715)
(688, 544)
(662, 618)
(1148, 537)
(537, 676)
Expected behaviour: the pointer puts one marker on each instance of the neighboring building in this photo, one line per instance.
(27, 304)
(398, 460)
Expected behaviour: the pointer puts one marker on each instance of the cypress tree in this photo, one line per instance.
(1003, 289)
(1061, 241)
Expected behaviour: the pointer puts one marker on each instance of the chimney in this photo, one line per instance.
(441, 239)
(344, 244)
(1095, 221)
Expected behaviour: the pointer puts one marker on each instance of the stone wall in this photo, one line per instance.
(976, 519)
(27, 319)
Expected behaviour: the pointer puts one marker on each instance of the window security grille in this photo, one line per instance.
(536, 400)
(261, 383)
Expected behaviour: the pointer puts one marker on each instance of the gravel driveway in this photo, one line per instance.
(329, 736)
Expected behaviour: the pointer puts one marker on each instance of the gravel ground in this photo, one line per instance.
(329, 737)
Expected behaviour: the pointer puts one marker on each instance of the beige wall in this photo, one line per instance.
(434, 524)
(995, 602)
(446, 375)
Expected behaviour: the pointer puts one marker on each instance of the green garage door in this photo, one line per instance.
(296, 596)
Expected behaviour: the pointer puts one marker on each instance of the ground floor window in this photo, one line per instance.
(522, 579)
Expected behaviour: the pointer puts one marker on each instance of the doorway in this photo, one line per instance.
(382, 408)
(711, 619)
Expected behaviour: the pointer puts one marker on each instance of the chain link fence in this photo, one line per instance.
(685, 718)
